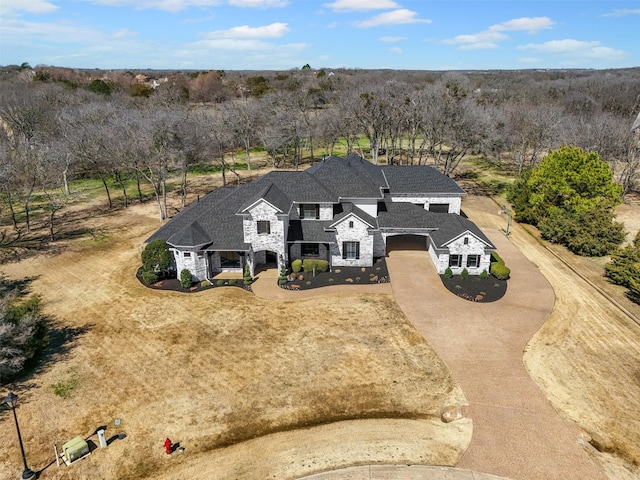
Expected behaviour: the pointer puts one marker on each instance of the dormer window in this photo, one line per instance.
(264, 227)
(309, 211)
(350, 223)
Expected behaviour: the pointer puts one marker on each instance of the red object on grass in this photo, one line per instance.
(168, 446)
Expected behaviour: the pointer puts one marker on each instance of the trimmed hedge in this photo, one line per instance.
(498, 268)
(296, 265)
(320, 265)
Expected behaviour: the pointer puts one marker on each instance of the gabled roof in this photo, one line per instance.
(272, 195)
(407, 179)
(452, 226)
(192, 236)
(349, 209)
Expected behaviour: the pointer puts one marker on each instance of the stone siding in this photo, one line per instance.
(358, 233)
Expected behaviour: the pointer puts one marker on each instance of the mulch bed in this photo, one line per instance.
(476, 289)
(173, 284)
(378, 273)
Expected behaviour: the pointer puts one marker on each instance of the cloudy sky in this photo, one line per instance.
(285, 34)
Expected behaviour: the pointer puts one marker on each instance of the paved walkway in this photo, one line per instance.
(517, 433)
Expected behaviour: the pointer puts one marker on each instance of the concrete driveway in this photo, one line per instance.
(517, 433)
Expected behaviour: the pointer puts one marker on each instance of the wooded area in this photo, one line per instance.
(131, 131)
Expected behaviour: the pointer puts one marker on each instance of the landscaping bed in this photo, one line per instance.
(378, 273)
(476, 289)
(174, 284)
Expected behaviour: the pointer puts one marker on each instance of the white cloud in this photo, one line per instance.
(490, 37)
(524, 24)
(167, 5)
(575, 48)
(123, 33)
(275, 30)
(396, 50)
(486, 39)
(259, 3)
(360, 5)
(30, 6)
(622, 12)
(396, 17)
(392, 39)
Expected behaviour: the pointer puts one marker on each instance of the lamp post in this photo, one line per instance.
(506, 211)
(12, 401)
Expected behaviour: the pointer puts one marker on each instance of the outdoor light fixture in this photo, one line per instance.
(12, 401)
(508, 212)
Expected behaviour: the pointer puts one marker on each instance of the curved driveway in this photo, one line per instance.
(516, 431)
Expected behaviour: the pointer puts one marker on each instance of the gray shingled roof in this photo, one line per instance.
(349, 208)
(310, 231)
(409, 179)
(452, 226)
(406, 215)
(271, 194)
(214, 221)
(348, 177)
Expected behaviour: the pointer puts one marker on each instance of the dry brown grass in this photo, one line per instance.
(212, 369)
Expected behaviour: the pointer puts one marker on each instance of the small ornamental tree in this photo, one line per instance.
(185, 278)
(156, 257)
(247, 275)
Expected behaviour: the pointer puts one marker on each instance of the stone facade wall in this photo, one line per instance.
(195, 262)
(358, 233)
(275, 240)
(474, 247)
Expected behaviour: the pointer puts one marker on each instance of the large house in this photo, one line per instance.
(341, 209)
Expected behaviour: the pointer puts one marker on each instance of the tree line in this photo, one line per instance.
(132, 131)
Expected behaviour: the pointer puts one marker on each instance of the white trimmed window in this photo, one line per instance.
(351, 250)
(264, 227)
(455, 260)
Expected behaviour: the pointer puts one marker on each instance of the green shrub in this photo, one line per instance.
(358, 279)
(296, 265)
(219, 282)
(330, 280)
(156, 257)
(320, 265)
(233, 281)
(484, 275)
(308, 283)
(149, 277)
(448, 273)
(500, 271)
(282, 281)
(247, 275)
(185, 278)
(464, 273)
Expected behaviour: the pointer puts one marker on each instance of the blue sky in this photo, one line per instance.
(285, 34)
